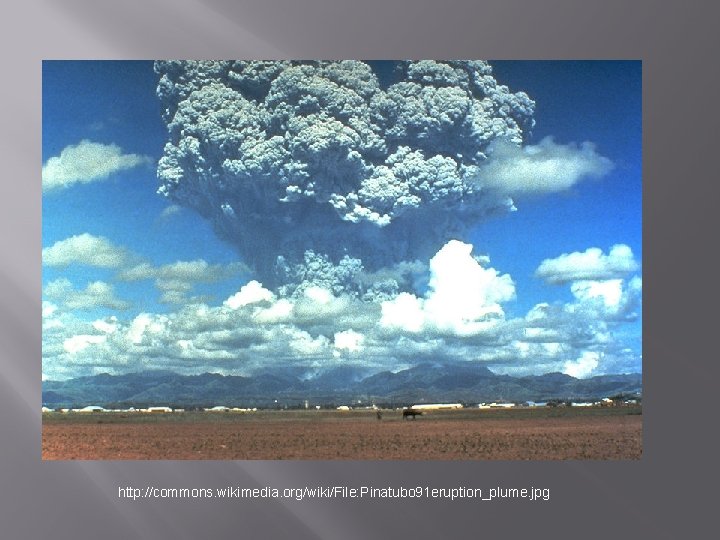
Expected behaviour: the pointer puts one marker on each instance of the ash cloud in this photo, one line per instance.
(320, 174)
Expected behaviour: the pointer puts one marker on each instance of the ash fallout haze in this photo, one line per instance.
(254, 217)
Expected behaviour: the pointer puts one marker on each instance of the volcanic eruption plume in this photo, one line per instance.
(325, 173)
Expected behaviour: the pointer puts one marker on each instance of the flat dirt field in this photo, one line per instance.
(469, 434)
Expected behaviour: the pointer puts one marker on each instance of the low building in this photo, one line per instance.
(501, 405)
(91, 409)
(436, 406)
(160, 409)
(537, 403)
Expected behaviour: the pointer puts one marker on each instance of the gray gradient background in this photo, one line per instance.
(669, 493)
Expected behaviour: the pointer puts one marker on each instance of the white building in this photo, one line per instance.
(91, 408)
(159, 409)
(495, 405)
(436, 406)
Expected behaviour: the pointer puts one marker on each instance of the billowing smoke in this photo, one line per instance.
(325, 173)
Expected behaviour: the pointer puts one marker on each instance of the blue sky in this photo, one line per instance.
(124, 268)
(596, 101)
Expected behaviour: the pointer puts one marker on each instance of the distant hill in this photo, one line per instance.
(456, 382)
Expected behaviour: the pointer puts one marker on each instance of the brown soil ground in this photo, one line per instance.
(543, 434)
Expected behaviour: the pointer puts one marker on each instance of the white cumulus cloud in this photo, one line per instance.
(612, 299)
(608, 292)
(403, 312)
(251, 293)
(584, 366)
(462, 291)
(543, 168)
(86, 162)
(96, 294)
(463, 297)
(176, 280)
(78, 343)
(591, 264)
(460, 316)
(85, 249)
(349, 340)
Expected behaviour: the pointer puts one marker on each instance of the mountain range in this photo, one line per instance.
(429, 383)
